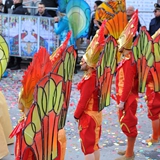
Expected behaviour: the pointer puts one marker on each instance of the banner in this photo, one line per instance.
(25, 34)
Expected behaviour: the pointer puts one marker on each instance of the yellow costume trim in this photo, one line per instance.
(123, 124)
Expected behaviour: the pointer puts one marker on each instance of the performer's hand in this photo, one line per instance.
(56, 19)
(76, 119)
(121, 105)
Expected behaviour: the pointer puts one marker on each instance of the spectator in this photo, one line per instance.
(155, 22)
(94, 25)
(62, 27)
(1, 7)
(15, 62)
(51, 3)
(18, 8)
(42, 11)
(7, 6)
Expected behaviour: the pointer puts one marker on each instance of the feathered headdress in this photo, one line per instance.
(39, 67)
(96, 46)
(126, 38)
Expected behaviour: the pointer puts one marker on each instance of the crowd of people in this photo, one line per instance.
(87, 112)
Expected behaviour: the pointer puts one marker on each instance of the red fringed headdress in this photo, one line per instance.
(40, 66)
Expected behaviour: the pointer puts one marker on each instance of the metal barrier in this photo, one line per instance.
(25, 34)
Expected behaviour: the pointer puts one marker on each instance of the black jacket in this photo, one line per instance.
(43, 15)
(92, 28)
(51, 3)
(154, 25)
(8, 4)
(20, 10)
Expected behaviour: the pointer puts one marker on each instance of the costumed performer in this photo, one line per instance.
(153, 101)
(87, 111)
(127, 89)
(153, 97)
(42, 65)
(39, 67)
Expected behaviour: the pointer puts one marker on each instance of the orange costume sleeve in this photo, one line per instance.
(130, 84)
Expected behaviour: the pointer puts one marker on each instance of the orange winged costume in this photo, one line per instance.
(38, 135)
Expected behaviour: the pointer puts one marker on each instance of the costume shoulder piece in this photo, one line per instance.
(143, 56)
(96, 46)
(156, 66)
(125, 39)
(105, 71)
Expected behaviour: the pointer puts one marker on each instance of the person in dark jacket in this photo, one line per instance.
(18, 8)
(94, 25)
(1, 7)
(42, 11)
(15, 62)
(7, 6)
(51, 3)
(155, 22)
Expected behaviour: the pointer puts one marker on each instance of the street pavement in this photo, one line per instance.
(112, 139)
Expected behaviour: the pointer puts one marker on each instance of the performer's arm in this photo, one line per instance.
(130, 72)
(86, 92)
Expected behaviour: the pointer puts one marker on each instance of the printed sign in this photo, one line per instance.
(25, 34)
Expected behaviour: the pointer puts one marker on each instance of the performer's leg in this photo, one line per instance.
(155, 133)
(130, 146)
(97, 155)
(155, 129)
(129, 153)
(90, 157)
